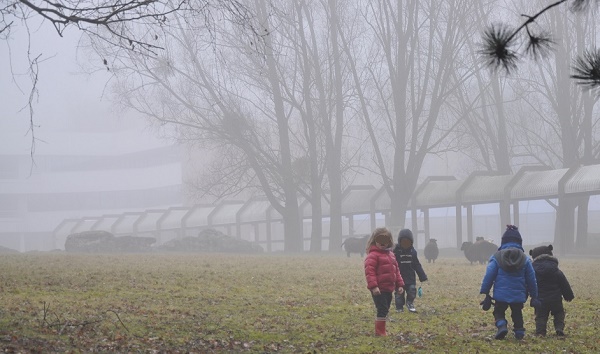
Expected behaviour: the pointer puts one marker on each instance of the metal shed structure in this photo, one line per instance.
(168, 226)
(259, 215)
(147, 224)
(106, 222)
(356, 200)
(225, 215)
(196, 219)
(255, 218)
(85, 224)
(123, 226)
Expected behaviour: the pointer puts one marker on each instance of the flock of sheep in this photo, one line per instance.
(479, 251)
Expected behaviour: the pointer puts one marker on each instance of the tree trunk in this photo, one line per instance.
(582, 224)
(565, 226)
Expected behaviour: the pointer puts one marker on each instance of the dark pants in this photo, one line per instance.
(382, 303)
(543, 313)
(411, 294)
(516, 313)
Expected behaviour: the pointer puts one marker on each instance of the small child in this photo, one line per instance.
(511, 274)
(406, 256)
(552, 286)
(382, 274)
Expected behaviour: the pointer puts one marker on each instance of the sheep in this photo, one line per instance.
(356, 245)
(480, 251)
(431, 250)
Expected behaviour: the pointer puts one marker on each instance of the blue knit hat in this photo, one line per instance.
(512, 235)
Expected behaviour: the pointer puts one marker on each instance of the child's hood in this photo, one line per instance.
(405, 234)
(510, 259)
(545, 264)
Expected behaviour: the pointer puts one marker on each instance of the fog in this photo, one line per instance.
(79, 142)
(265, 109)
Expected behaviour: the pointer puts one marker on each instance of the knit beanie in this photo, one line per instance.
(512, 235)
(538, 251)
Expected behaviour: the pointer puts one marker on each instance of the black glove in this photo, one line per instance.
(535, 303)
(487, 303)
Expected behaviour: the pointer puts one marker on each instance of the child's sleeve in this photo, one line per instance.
(371, 271)
(565, 287)
(418, 267)
(491, 272)
(530, 279)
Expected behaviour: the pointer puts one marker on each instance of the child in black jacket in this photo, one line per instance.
(553, 286)
(410, 268)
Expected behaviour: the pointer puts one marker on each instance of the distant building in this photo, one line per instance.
(76, 175)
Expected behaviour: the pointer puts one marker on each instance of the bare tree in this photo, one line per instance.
(483, 102)
(233, 99)
(566, 113)
(403, 83)
(320, 100)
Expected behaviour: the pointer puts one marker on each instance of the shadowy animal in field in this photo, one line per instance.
(356, 244)
(480, 251)
(431, 250)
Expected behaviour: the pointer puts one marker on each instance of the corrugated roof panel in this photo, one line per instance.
(438, 193)
(357, 201)
(225, 213)
(256, 211)
(198, 216)
(306, 208)
(538, 184)
(65, 227)
(85, 224)
(106, 222)
(147, 221)
(383, 201)
(124, 226)
(585, 180)
(486, 189)
(172, 218)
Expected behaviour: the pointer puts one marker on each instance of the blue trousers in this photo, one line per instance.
(408, 296)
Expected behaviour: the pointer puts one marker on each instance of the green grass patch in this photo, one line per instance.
(259, 303)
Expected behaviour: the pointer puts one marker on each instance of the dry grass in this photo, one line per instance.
(271, 303)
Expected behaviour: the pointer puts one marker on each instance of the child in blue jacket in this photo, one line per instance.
(511, 274)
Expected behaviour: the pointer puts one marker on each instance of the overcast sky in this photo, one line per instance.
(71, 99)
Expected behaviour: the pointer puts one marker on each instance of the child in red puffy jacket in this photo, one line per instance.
(382, 274)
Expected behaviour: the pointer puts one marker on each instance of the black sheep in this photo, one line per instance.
(480, 251)
(431, 250)
(356, 245)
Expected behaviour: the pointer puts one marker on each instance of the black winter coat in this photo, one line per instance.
(409, 264)
(552, 282)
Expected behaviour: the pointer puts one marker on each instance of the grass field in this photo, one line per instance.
(271, 303)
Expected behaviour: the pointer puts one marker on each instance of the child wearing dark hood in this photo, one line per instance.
(553, 286)
(410, 268)
(510, 273)
(382, 275)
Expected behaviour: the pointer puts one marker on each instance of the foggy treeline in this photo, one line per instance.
(302, 96)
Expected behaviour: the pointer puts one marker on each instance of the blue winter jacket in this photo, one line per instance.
(511, 274)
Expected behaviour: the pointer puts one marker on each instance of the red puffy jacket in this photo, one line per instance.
(381, 270)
